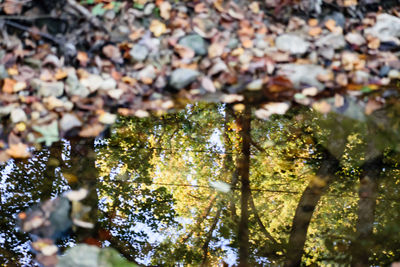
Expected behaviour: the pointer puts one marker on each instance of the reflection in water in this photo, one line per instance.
(210, 185)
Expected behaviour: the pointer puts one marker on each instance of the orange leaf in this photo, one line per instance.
(18, 151)
(12, 7)
(60, 74)
(82, 58)
(157, 28)
(8, 86)
(91, 130)
(330, 24)
(315, 31)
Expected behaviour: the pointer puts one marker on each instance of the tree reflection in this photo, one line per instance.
(305, 188)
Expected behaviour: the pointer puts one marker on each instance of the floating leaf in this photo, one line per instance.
(49, 133)
(18, 151)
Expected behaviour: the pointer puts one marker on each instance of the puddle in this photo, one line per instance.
(212, 186)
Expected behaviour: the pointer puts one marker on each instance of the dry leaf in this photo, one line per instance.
(341, 79)
(339, 101)
(60, 74)
(165, 10)
(315, 31)
(254, 7)
(4, 156)
(82, 58)
(13, 71)
(8, 86)
(19, 86)
(92, 130)
(13, 7)
(322, 106)
(208, 85)
(371, 106)
(184, 51)
(157, 28)
(312, 22)
(330, 24)
(18, 151)
(112, 52)
(200, 8)
(215, 50)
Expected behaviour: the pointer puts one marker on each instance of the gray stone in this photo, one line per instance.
(149, 72)
(233, 43)
(338, 18)
(196, 43)
(255, 85)
(108, 84)
(18, 115)
(138, 53)
(46, 89)
(303, 74)
(69, 121)
(355, 38)
(334, 40)
(291, 43)
(149, 9)
(180, 78)
(386, 28)
(74, 87)
(361, 77)
(3, 72)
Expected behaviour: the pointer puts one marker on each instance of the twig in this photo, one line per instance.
(42, 34)
(86, 13)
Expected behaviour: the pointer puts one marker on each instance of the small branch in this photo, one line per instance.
(263, 229)
(27, 29)
(209, 237)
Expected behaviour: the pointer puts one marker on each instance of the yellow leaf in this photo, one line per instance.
(157, 28)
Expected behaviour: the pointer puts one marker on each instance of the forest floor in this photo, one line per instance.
(69, 68)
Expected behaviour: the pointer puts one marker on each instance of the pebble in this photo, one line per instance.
(92, 82)
(3, 72)
(149, 9)
(306, 74)
(69, 121)
(108, 84)
(291, 43)
(138, 53)
(180, 78)
(355, 38)
(334, 40)
(74, 87)
(18, 115)
(386, 28)
(196, 43)
(46, 89)
(255, 85)
(384, 71)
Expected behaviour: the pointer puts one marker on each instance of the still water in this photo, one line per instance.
(213, 186)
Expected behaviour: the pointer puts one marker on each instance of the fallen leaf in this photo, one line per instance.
(200, 8)
(371, 106)
(157, 28)
(312, 22)
(92, 130)
(165, 10)
(107, 118)
(184, 51)
(8, 85)
(4, 156)
(60, 74)
(13, 7)
(315, 31)
(330, 24)
(208, 85)
(49, 133)
(112, 52)
(18, 151)
(254, 7)
(322, 107)
(215, 50)
(13, 71)
(82, 58)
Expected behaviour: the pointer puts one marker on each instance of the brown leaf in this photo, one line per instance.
(165, 10)
(208, 85)
(82, 58)
(372, 105)
(4, 156)
(60, 74)
(315, 31)
(112, 52)
(92, 130)
(12, 7)
(8, 86)
(18, 151)
(184, 52)
(216, 50)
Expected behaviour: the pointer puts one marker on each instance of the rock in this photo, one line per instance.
(385, 69)
(109, 15)
(108, 84)
(69, 121)
(233, 43)
(3, 72)
(196, 43)
(149, 72)
(291, 43)
(149, 9)
(303, 74)
(338, 18)
(255, 85)
(18, 115)
(334, 40)
(386, 28)
(74, 87)
(46, 89)
(138, 53)
(394, 74)
(360, 77)
(180, 78)
(355, 38)
(92, 82)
